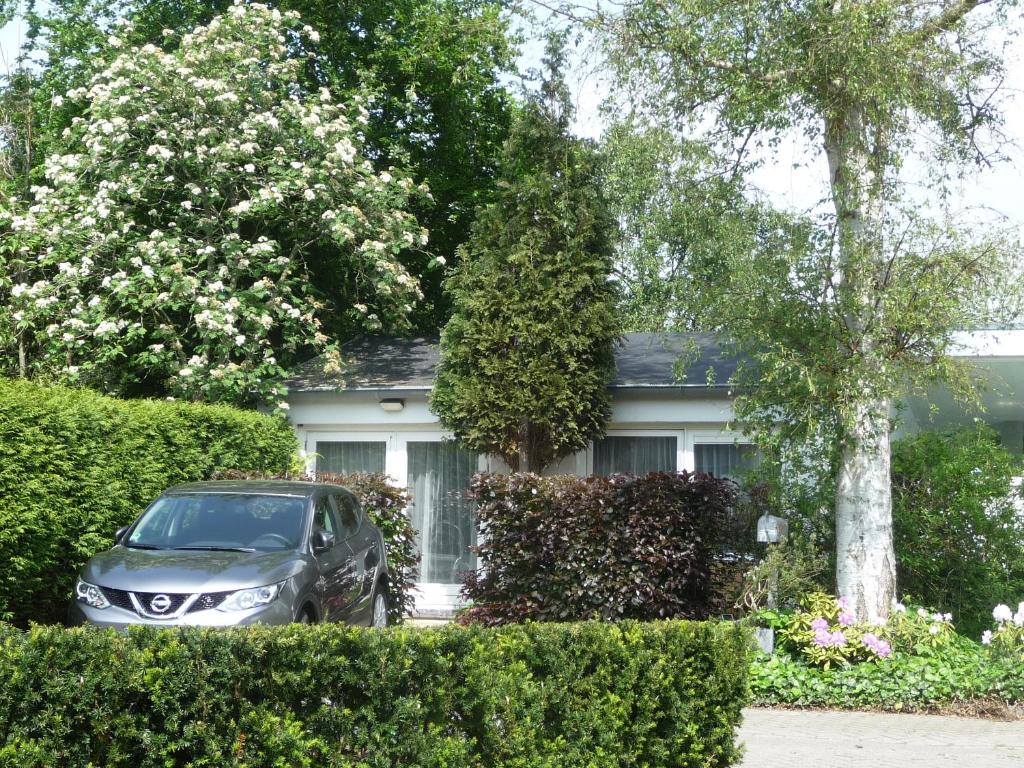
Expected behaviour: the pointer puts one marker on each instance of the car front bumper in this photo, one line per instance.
(278, 612)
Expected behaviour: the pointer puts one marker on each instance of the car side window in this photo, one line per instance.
(348, 515)
(323, 516)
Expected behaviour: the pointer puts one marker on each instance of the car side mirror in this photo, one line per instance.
(322, 541)
(120, 534)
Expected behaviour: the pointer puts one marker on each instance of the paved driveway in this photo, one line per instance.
(789, 739)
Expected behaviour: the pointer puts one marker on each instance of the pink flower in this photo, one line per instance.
(843, 603)
(846, 619)
(819, 624)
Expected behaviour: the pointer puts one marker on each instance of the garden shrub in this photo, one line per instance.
(916, 661)
(75, 466)
(594, 695)
(961, 673)
(387, 507)
(568, 548)
(958, 534)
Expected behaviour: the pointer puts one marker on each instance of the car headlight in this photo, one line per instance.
(244, 599)
(90, 594)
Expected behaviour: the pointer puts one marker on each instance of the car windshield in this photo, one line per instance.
(221, 521)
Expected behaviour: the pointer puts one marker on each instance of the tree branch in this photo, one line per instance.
(948, 18)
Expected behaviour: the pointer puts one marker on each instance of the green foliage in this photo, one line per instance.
(387, 507)
(924, 664)
(528, 353)
(171, 241)
(569, 548)
(959, 535)
(76, 466)
(788, 571)
(591, 695)
(1007, 641)
(961, 673)
(433, 66)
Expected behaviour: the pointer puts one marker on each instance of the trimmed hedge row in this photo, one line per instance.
(75, 466)
(598, 695)
(574, 548)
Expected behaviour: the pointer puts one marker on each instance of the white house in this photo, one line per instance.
(375, 418)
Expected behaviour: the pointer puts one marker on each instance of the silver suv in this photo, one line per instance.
(240, 552)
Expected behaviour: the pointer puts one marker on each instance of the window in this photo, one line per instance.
(728, 460)
(323, 516)
(636, 455)
(348, 457)
(348, 516)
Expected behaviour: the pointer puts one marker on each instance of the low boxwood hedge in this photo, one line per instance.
(532, 696)
(75, 466)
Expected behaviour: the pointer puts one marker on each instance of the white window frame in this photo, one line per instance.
(392, 461)
(711, 437)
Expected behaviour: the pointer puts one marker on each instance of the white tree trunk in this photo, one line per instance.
(865, 560)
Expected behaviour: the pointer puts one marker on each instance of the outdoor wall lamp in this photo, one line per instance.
(771, 529)
(392, 404)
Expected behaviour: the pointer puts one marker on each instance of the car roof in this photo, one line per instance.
(265, 487)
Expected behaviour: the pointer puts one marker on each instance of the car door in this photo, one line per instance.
(362, 545)
(335, 564)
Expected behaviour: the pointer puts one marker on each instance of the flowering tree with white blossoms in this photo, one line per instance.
(171, 242)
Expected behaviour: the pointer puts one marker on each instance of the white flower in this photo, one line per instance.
(898, 607)
(283, 406)
(1002, 613)
(249, 168)
(147, 270)
(986, 637)
(1018, 619)
(947, 617)
(933, 629)
(19, 289)
(185, 372)
(187, 205)
(936, 617)
(922, 613)
(240, 339)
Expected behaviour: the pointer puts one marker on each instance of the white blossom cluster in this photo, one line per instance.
(176, 231)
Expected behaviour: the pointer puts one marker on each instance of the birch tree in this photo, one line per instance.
(841, 314)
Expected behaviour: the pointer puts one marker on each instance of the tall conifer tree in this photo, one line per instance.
(528, 354)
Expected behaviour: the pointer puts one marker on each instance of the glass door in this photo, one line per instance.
(441, 512)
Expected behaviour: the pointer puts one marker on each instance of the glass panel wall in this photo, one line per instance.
(346, 458)
(634, 455)
(441, 512)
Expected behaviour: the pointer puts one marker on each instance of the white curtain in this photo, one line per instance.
(634, 455)
(728, 460)
(441, 512)
(346, 458)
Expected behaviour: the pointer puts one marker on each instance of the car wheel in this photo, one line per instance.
(306, 617)
(380, 608)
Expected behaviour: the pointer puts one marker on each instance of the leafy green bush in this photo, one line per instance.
(961, 672)
(387, 507)
(569, 548)
(75, 466)
(594, 695)
(1007, 641)
(959, 537)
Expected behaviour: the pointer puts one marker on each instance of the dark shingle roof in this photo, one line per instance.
(643, 360)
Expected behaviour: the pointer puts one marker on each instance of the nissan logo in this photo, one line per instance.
(159, 603)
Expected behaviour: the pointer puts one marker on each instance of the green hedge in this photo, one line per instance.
(75, 466)
(599, 695)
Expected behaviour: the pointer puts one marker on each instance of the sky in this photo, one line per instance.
(795, 175)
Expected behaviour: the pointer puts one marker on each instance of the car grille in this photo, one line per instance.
(122, 599)
(208, 601)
